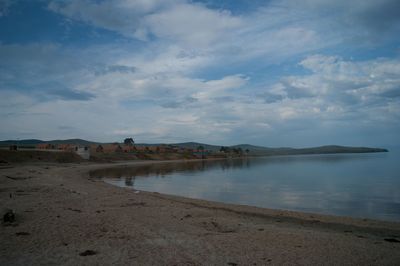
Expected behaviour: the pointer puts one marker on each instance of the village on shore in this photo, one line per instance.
(129, 150)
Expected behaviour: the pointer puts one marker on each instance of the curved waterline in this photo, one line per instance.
(358, 185)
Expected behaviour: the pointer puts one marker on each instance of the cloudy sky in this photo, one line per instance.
(273, 73)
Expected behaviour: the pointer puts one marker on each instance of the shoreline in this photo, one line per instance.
(132, 165)
(93, 214)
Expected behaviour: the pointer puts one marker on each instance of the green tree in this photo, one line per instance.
(129, 141)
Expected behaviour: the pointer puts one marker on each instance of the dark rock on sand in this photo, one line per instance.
(392, 240)
(22, 234)
(88, 253)
(9, 216)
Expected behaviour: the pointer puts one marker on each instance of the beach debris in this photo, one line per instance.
(75, 210)
(88, 252)
(137, 192)
(9, 216)
(18, 177)
(22, 233)
(232, 264)
(215, 224)
(133, 204)
(186, 216)
(228, 231)
(269, 260)
(392, 240)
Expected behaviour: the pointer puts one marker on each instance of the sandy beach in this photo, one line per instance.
(65, 217)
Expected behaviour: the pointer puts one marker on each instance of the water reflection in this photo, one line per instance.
(361, 185)
(164, 169)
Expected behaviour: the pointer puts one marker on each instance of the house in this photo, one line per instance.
(180, 150)
(99, 148)
(166, 148)
(83, 152)
(67, 147)
(13, 147)
(111, 148)
(155, 148)
(45, 146)
(177, 149)
(128, 148)
(143, 148)
(96, 148)
(140, 148)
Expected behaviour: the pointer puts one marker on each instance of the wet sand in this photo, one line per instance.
(63, 216)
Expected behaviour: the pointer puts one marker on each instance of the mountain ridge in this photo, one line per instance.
(254, 149)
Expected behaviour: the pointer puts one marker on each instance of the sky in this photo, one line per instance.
(273, 73)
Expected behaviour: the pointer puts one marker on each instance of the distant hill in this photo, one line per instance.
(21, 142)
(331, 149)
(33, 142)
(266, 151)
(195, 145)
(72, 141)
(254, 150)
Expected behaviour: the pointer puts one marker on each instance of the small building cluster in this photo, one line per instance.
(135, 149)
(117, 148)
(124, 148)
(128, 150)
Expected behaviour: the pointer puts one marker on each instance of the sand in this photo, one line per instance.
(64, 217)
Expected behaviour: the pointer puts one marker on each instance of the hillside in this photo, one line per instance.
(331, 149)
(27, 142)
(72, 141)
(253, 150)
(266, 151)
(33, 142)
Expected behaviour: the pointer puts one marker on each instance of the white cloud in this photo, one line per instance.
(123, 16)
(171, 106)
(192, 25)
(197, 32)
(339, 90)
(195, 74)
(368, 18)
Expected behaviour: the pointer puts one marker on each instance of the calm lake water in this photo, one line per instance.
(358, 185)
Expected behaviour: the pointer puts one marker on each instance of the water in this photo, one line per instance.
(358, 185)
